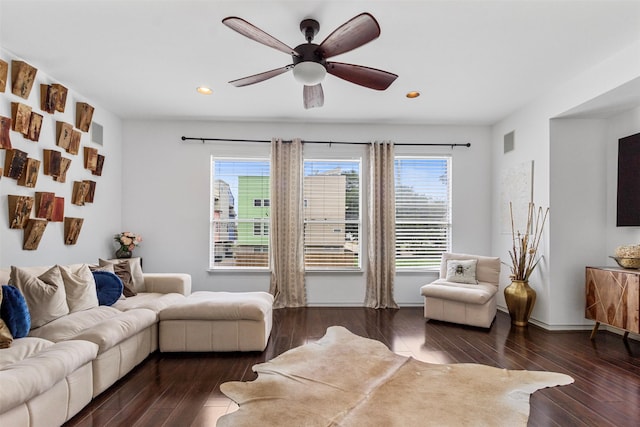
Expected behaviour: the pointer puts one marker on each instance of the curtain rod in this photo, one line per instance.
(203, 140)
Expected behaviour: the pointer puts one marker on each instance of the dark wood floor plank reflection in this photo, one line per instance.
(184, 389)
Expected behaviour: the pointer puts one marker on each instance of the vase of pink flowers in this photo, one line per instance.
(127, 242)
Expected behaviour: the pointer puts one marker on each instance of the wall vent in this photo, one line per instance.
(509, 141)
(96, 133)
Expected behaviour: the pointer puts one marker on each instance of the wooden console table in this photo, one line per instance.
(613, 298)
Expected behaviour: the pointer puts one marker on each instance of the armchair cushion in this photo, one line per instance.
(470, 294)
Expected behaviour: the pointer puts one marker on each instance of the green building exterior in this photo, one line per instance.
(253, 204)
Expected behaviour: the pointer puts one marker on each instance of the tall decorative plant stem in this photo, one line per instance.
(524, 249)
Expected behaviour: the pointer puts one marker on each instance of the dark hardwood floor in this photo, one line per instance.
(184, 389)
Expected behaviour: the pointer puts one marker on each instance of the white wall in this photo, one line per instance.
(166, 194)
(562, 183)
(101, 218)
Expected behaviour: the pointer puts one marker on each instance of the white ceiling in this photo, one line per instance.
(473, 61)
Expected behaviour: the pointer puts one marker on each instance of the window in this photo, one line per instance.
(332, 214)
(239, 213)
(423, 210)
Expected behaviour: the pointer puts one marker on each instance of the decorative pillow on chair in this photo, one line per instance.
(45, 294)
(15, 312)
(80, 287)
(122, 269)
(462, 271)
(109, 287)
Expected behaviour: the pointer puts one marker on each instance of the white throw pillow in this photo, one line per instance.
(45, 294)
(80, 287)
(462, 271)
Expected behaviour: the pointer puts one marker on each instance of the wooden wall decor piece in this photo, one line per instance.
(53, 98)
(44, 204)
(90, 158)
(21, 115)
(14, 163)
(29, 176)
(57, 214)
(35, 124)
(63, 134)
(91, 192)
(84, 115)
(64, 167)
(52, 161)
(80, 190)
(74, 145)
(4, 72)
(33, 233)
(99, 166)
(5, 126)
(19, 210)
(47, 99)
(61, 99)
(22, 76)
(72, 227)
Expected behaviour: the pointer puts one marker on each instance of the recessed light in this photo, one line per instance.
(204, 90)
(413, 94)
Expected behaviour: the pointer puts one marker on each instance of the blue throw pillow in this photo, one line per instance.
(14, 312)
(109, 287)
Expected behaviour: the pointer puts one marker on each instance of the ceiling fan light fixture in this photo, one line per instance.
(413, 94)
(309, 73)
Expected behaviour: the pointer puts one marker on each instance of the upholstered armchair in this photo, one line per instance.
(466, 291)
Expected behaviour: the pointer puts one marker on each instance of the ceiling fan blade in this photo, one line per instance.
(363, 76)
(255, 33)
(313, 96)
(257, 78)
(350, 35)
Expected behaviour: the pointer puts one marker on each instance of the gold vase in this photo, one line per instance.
(520, 298)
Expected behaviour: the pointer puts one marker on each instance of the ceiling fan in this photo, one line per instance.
(310, 63)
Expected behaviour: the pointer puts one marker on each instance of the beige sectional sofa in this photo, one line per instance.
(49, 376)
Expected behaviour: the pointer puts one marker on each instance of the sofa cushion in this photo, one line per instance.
(14, 311)
(80, 287)
(151, 300)
(122, 269)
(21, 349)
(45, 294)
(103, 325)
(472, 294)
(67, 327)
(221, 306)
(111, 332)
(32, 376)
(108, 286)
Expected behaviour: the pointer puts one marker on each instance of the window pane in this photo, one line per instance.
(332, 214)
(423, 211)
(240, 219)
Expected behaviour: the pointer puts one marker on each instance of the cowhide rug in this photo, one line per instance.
(347, 380)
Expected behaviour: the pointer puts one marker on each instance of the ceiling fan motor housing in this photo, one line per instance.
(308, 52)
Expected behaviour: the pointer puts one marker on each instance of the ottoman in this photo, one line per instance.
(217, 321)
